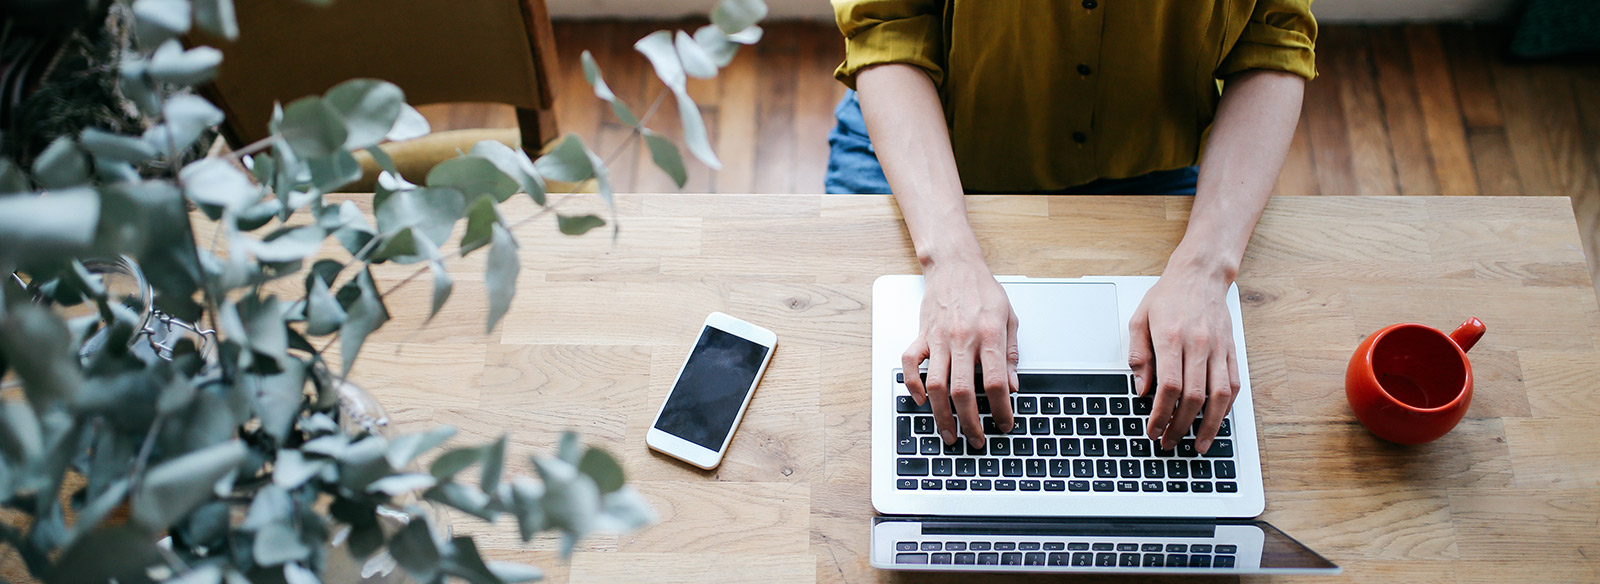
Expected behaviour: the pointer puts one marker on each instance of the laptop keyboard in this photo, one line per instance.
(1074, 433)
(1099, 554)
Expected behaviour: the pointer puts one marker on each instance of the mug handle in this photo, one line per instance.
(1468, 333)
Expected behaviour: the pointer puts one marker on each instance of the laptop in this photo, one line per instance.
(1076, 486)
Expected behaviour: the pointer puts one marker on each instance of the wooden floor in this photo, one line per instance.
(1412, 110)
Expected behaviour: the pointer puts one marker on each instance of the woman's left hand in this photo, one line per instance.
(1181, 347)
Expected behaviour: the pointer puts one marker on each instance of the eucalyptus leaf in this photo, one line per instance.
(404, 449)
(62, 164)
(106, 145)
(482, 216)
(473, 175)
(465, 498)
(171, 489)
(442, 286)
(369, 107)
(313, 128)
(748, 36)
(413, 547)
(21, 439)
(365, 313)
(47, 229)
(172, 64)
(694, 130)
(512, 163)
(624, 510)
(578, 224)
(500, 275)
(568, 448)
(323, 313)
(292, 469)
(454, 461)
(697, 63)
(433, 211)
(278, 543)
(571, 499)
(601, 467)
(184, 118)
(158, 20)
(294, 573)
(494, 460)
(271, 504)
(214, 181)
(330, 173)
(716, 44)
(528, 506)
(12, 179)
(410, 125)
(36, 344)
(733, 16)
(202, 574)
(278, 397)
(121, 552)
(514, 573)
(217, 17)
(363, 462)
(658, 48)
(666, 156)
(465, 563)
(396, 485)
(567, 162)
(289, 244)
(591, 73)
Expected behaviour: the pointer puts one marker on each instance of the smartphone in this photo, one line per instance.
(696, 422)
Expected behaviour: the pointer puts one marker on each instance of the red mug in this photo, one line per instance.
(1410, 383)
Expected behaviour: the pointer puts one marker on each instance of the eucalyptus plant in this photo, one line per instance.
(196, 434)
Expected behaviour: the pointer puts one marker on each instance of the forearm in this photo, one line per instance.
(1244, 153)
(906, 121)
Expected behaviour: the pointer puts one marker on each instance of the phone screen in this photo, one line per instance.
(706, 400)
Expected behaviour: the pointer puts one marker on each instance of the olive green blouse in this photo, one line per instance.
(1042, 95)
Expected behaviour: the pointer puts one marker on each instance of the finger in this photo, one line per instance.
(1167, 370)
(1141, 353)
(939, 390)
(1193, 399)
(1012, 355)
(1219, 397)
(1233, 372)
(996, 380)
(963, 391)
(910, 369)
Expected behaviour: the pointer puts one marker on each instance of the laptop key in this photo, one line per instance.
(1055, 486)
(1028, 485)
(1082, 468)
(1000, 446)
(1061, 426)
(943, 467)
(1140, 447)
(1133, 426)
(1120, 406)
(1011, 559)
(989, 467)
(911, 467)
(911, 558)
(1027, 404)
(1220, 448)
(990, 427)
(1035, 467)
(1117, 446)
(979, 484)
(1177, 487)
(1224, 469)
(1130, 469)
(1105, 468)
(1105, 560)
(907, 445)
(1033, 559)
(1005, 485)
(1058, 559)
(1086, 426)
(1096, 406)
(955, 484)
(980, 450)
(905, 546)
(1150, 486)
(1103, 486)
(1022, 446)
(1039, 426)
(1072, 405)
(1011, 467)
(1200, 486)
(1059, 468)
(1154, 560)
(1110, 427)
(1155, 469)
(1227, 487)
(1050, 405)
(932, 484)
(1127, 486)
(1071, 447)
(1005, 546)
(1186, 448)
(1028, 546)
(979, 546)
(1047, 446)
(904, 405)
(1094, 447)
(955, 546)
(906, 484)
(1222, 562)
(966, 559)
(1054, 546)
(1128, 560)
(966, 467)
(989, 559)
(955, 448)
(1177, 469)
(1150, 547)
(1199, 561)
(1082, 559)
(1226, 429)
(1078, 486)
(930, 445)
(1200, 548)
(1177, 560)
(1142, 406)
(1227, 549)
(922, 424)
(1019, 426)
(941, 559)
(1200, 469)
(902, 427)
(932, 546)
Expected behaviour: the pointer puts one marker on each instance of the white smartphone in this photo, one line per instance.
(714, 386)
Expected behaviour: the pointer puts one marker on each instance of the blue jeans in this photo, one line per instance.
(853, 165)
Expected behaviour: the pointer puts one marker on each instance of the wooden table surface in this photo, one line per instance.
(597, 331)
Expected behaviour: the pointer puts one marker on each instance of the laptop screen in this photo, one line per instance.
(1090, 545)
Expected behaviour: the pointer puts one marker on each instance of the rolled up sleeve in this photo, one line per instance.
(890, 31)
(1280, 35)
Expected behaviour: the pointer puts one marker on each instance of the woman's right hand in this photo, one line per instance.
(967, 325)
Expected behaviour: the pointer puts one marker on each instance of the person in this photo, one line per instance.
(1072, 97)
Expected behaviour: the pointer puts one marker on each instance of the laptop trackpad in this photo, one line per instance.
(1067, 324)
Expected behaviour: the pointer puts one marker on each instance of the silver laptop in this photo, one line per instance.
(1076, 486)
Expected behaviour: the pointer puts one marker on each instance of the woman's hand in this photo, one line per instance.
(967, 324)
(1181, 347)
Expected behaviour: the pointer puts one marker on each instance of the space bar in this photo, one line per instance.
(1064, 383)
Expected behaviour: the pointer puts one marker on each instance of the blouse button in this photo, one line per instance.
(1090, 4)
(1079, 137)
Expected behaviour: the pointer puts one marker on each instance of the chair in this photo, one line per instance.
(496, 51)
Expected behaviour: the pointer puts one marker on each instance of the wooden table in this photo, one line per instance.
(598, 330)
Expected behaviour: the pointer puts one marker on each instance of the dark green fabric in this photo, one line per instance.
(1558, 27)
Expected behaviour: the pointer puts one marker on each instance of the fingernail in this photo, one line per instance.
(949, 437)
(975, 442)
(1138, 383)
(1202, 446)
(921, 400)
